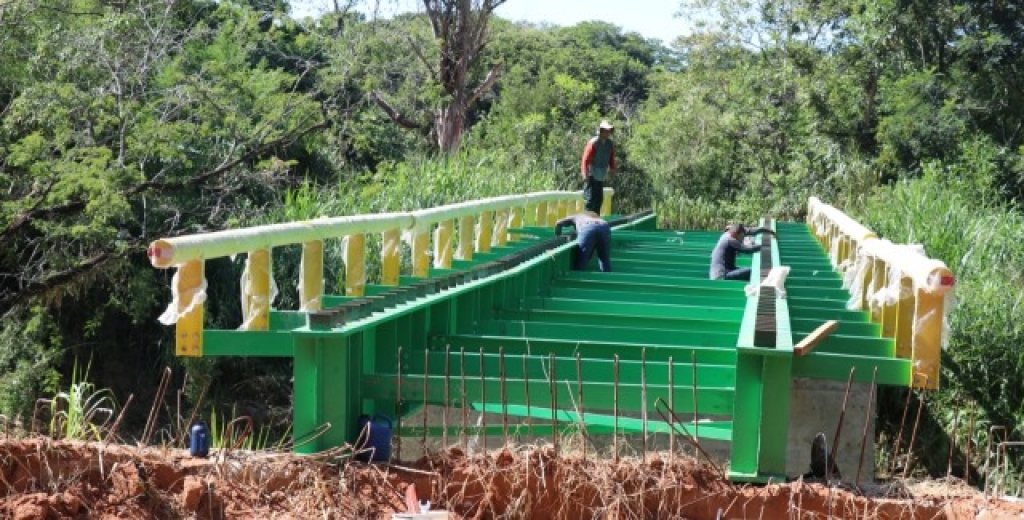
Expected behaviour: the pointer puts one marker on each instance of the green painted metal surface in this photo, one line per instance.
(516, 332)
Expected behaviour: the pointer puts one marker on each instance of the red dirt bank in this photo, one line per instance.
(46, 479)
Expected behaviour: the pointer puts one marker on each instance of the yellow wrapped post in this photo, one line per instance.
(466, 234)
(355, 265)
(421, 254)
(189, 288)
(443, 249)
(542, 215)
(530, 215)
(552, 214)
(929, 321)
(483, 233)
(606, 203)
(577, 206)
(878, 282)
(517, 220)
(311, 288)
(501, 228)
(905, 319)
(256, 291)
(390, 257)
(563, 209)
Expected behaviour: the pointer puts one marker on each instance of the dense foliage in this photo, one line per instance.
(122, 122)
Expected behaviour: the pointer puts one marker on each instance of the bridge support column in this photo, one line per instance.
(325, 390)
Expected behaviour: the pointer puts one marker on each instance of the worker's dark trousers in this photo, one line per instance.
(593, 195)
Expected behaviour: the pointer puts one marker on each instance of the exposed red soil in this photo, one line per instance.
(47, 479)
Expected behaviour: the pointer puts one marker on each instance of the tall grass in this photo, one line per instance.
(74, 413)
(959, 219)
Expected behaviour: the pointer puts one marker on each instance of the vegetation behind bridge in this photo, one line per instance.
(124, 122)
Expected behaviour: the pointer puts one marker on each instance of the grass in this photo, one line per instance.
(73, 413)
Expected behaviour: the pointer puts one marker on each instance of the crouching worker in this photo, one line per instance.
(723, 258)
(593, 234)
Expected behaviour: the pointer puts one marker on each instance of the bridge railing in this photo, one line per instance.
(481, 224)
(907, 292)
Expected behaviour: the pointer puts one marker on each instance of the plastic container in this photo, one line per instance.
(375, 444)
(199, 440)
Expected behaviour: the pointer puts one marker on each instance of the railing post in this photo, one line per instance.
(421, 254)
(391, 257)
(577, 206)
(606, 203)
(311, 290)
(563, 209)
(256, 291)
(530, 215)
(188, 330)
(552, 214)
(355, 265)
(501, 228)
(929, 313)
(905, 303)
(878, 281)
(483, 233)
(443, 250)
(466, 234)
(541, 220)
(517, 220)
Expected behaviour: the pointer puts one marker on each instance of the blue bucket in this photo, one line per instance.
(376, 443)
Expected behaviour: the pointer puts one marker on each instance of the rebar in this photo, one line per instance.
(526, 392)
(426, 391)
(195, 411)
(504, 397)
(867, 421)
(552, 379)
(157, 399)
(899, 433)
(672, 403)
(398, 405)
(465, 405)
(696, 417)
(447, 395)
(483, 403)
(579, 389)
(643, 402)
(913, 434)
(952, 443)
(117, 423)
(988, 452)
(830, 463)
(615, 409)
(675, 420)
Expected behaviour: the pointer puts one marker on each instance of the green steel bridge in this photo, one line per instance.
(510, 329)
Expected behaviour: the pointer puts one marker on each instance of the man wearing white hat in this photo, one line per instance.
(598, 164)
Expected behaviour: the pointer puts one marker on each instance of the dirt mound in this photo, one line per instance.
(46, 479)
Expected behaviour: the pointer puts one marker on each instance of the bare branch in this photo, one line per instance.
(395, 115)
(492, 76)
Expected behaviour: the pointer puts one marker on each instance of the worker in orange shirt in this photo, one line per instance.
(597, 165)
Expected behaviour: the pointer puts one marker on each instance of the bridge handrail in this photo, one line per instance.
(169, 252)
(907, 292)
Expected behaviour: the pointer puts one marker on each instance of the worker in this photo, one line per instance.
(593, 234)
(723, 257)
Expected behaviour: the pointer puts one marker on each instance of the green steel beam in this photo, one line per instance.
(711, 400)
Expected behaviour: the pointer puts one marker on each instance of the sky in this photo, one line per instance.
(656, 19)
